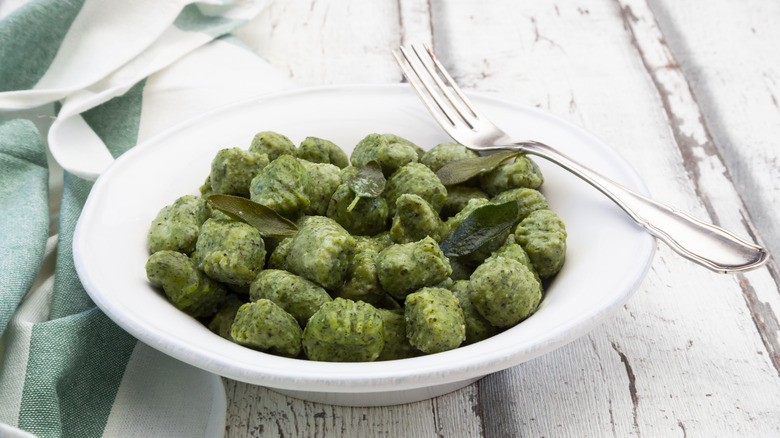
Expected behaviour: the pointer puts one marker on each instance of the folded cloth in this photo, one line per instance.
(117, 73)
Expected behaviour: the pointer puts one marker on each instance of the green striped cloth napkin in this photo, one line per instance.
(114, 73)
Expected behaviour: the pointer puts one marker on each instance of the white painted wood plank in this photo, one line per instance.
(705, 164)
(682, 358)
(730, 56)
(458, 414)
(323, 43)
(257, 411)
(415, 20)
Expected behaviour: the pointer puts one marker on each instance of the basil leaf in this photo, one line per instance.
(458, 171)
(266, 220)
(479, 228)
(368, 183)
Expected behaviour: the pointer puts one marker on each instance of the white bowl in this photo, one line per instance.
(608, 255)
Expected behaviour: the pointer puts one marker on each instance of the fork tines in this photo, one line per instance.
(433, 83)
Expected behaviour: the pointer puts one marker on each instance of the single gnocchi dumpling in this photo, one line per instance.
(344, 331)
(384, 239)
(185, 286)
(319, 150)
(177, 226)
(263, 325)
(282, 186)
(460, 270)
(296, 295)
(477, 327)
(514, 251)
(366, 217)
(232, 170)
(414, 220)
(397, 344)
(461, 216)
(321, 251)
(324, 179)
(523, 172)
(542, 235)
(222, 321)
(504, 291)
(278, 257)
(393, 140)
(434, 320)
(527, 200)
(417, 179)
(442, 154)
(362, 282)
(406, 267)
(272, 144)
(230, 251)
(388, 152)
(458, 197)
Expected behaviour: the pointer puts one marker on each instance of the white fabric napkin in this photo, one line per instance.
(115, 73)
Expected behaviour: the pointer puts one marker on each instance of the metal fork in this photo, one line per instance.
(703, 243)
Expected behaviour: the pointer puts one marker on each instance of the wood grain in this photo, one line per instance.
(693, 109)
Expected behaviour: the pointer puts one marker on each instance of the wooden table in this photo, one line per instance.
(689, 93)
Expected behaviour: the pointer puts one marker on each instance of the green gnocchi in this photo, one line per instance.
(364, 274)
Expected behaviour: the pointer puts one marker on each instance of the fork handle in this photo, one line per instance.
(703, 243)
